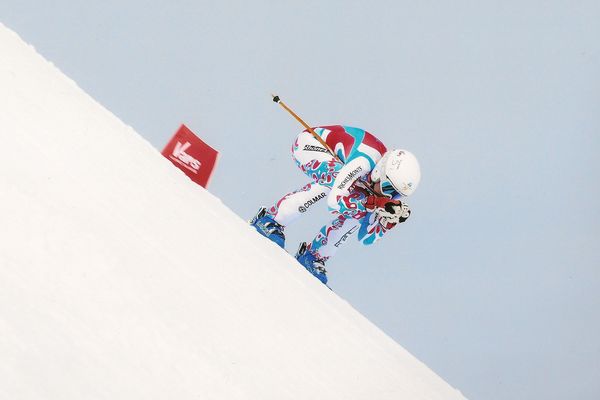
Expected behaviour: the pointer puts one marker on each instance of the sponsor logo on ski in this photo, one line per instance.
(180, 156)
(349, 177)
(345, 236)
(309, 147)
(310, 202)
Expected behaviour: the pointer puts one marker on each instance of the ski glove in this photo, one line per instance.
(387, 212)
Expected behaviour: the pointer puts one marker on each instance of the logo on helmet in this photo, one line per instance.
(406, 187)
(397, 162)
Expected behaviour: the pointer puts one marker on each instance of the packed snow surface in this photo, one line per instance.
(121, 279)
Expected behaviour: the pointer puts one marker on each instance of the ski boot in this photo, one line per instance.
(314, 265)
(266, 226)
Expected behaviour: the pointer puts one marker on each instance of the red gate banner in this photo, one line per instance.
(191, 155)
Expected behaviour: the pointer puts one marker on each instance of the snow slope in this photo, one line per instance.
(115, 282)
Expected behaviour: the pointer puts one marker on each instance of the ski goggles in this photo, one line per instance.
(388, 189)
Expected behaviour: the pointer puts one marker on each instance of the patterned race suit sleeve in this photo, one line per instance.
(343, 198)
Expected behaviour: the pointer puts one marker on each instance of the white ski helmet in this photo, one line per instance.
(398, 170)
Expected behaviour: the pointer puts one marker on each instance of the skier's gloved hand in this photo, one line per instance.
(401, 214)
(388, 212)
(374, 203)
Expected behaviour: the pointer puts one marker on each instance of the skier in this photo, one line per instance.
(363, 184)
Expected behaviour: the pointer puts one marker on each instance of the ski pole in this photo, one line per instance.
(277, 100)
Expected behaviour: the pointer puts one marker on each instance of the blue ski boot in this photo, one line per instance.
(314, 265)
(266, 226)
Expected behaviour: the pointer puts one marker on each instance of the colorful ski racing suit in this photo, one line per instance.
(338, 182)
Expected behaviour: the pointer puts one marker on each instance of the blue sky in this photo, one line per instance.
(494, 281)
